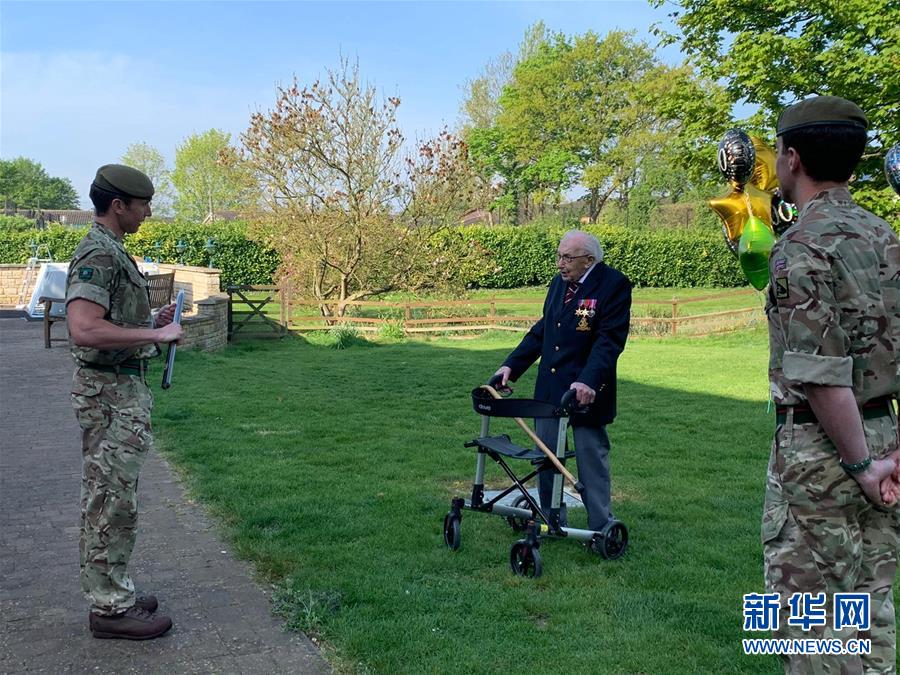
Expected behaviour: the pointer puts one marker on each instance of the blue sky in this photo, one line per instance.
(80, 81)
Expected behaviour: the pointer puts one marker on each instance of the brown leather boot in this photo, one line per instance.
(146, 602)
(134, 624)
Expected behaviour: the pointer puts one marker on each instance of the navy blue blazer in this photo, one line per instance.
(575, 348)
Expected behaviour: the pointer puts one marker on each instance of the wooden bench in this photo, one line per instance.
(50, 320)
(161, 287)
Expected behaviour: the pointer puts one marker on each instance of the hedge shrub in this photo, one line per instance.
(525, 256)
(519, 256)
(241, 260)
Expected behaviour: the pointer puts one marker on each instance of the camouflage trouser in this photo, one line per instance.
(114, 414)
(821, 535)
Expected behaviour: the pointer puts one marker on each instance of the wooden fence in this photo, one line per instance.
(649, 317)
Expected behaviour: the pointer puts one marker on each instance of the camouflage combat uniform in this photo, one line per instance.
(834, 320)
(112, 403)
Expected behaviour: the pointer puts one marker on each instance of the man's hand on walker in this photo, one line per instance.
(505, 372)
(583, 393)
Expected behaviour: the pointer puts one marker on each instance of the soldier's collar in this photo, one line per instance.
(835, 195)
(105, 230)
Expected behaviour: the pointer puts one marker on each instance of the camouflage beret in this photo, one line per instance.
(123, 180)
(821, 111)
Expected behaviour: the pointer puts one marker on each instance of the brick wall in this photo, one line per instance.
(206, 310)
(11, 277)
(207, 329)
(197, 282)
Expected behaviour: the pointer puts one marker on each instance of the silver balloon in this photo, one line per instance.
(892, 167)
(784, 214)
(737, 156)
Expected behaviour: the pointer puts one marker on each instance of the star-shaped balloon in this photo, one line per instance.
(735, 208)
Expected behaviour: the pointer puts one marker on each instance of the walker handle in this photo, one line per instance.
(570, 404)
(503, 390)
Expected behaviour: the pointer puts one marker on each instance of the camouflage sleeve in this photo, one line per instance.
(816, 346)
(90, 278)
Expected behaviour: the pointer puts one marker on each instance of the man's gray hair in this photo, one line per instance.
(587, 242)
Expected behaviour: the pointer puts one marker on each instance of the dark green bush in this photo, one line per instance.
(516, 256)
(241, 260)
(16, 223)
(525, 255)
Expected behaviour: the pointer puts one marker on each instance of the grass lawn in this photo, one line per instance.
(332, 470)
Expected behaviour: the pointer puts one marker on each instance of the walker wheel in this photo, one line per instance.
(451, 531)
(611, 541)
(516, 523)
(525, 559)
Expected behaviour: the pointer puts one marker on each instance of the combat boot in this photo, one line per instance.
(146, 602)
(134, 624)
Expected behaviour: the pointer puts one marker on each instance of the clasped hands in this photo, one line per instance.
(881, 480)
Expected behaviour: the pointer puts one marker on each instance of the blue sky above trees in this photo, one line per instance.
(80, 81)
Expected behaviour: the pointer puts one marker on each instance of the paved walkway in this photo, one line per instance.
(223, 622)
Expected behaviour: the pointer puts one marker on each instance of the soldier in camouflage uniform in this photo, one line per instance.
(112, 334)
(829, 523)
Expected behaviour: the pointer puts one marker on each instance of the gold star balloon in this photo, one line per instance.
(735, 208)
(764, 176)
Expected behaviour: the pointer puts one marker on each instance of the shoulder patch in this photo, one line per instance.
(86, 273)
(781, 288)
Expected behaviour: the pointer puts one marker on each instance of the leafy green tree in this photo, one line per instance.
(204, 178)
(772, 54)
(586, 98)
(481, 104)
(26, 184)
(148, 159)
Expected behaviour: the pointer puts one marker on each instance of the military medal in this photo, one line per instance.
(586, 310)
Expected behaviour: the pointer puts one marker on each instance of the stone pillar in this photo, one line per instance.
(207, 329)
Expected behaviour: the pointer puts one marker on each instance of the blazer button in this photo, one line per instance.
(553, 370)
(558, 325)
(556, 348)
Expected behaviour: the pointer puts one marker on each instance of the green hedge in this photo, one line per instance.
(525, 256)
(241, 260)
(16, 223)
(518, 256)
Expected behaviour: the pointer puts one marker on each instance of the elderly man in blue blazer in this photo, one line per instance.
(578, 339)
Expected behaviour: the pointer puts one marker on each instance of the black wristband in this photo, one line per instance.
(859, 467)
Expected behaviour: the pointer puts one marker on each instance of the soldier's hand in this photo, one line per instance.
(877, 482)
(165, 316)
(583, 393)
(171, 332)
(890, 486)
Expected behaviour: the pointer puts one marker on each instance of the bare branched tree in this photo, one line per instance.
(349, 215)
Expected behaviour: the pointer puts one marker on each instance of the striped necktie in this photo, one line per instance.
(571, 290)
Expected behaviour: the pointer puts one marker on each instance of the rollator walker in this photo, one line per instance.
(525, 514)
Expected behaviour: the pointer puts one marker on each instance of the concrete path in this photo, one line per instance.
(223, 622)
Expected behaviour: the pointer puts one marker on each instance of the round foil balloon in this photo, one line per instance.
(892, 167)
(784, 214)
(754, 249)
(737, 157)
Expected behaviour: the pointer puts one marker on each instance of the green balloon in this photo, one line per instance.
(754, 249)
